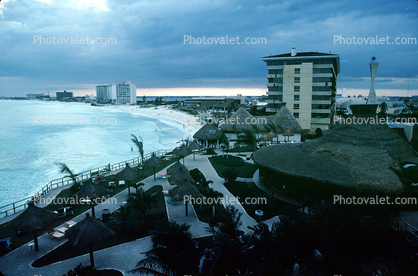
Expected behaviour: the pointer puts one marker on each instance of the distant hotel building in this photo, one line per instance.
(215, 102)
(64, 95)
(306, 83)
(120, 93)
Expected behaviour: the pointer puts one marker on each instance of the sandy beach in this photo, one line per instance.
(190, 123)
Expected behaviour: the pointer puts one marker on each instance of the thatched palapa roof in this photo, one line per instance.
(153, 161)
(286, 120)
(91, 190)
(182, 151)
(33, 218)
(239, 121)
(208, 132)
(243, 120)
(187, 189)
(87, 231)
(194, 146)
(360, 156)
(180, 176)
(175, 167)
(127, 174)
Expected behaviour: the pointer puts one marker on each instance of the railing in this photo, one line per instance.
(22, 204)
(409, 231)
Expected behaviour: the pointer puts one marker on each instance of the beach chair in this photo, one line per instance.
(96, 179)
(50, 231)
(102, 178)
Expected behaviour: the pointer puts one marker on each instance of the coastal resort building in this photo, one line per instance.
(120, 93)
(207, 102)
(242, 120)
(352, 158)
(307, 82)
(62, 96)
(209, 135)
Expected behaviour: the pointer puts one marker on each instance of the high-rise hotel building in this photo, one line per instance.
(307, 83)
(120, 93)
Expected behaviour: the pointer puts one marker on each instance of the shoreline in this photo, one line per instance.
(190, 122)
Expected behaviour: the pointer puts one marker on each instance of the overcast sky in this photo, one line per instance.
(146, 44)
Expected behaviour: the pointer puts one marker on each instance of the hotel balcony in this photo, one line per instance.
(320, 120)
(324, 111)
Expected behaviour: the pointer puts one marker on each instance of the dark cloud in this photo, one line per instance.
(150, 47)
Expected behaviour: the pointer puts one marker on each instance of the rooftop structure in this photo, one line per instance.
(64, 95)
(352, 157)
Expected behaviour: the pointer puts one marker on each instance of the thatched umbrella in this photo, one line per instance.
(127, 174)
(288, 133)
(194, 146)
(180, 176)
(184, 192)
(271, 135)
(88, 231)
(182, 151)
(154, 162)
(175, 167)
(32, 219)
(264, 138)
(91, 191)
(311, 134)
(208, 133)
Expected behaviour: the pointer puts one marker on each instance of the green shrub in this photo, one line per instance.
(198, 176)
(230, 174)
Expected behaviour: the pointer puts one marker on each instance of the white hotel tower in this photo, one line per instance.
(307, 83)
(120, 93)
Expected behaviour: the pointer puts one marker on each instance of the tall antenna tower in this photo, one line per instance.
(372, 99)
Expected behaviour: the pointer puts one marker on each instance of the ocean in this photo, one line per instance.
(35, 136)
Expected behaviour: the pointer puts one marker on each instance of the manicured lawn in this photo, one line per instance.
(242, 149)
(253, 198)
(122, 233)
(220, 163)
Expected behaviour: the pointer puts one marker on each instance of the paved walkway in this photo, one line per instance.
(124, 256)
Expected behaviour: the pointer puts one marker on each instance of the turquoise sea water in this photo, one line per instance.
(31, 144)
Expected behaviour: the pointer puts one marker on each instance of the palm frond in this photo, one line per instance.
(68, 172)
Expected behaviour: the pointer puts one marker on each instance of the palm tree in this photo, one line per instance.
(248, 138)
(137, 202)
(256, 130)
(149, 198)
(140, 145)
(174, 252)
(69, 174)
(225, 144)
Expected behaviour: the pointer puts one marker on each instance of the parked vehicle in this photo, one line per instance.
(63, 212)
(5, 245)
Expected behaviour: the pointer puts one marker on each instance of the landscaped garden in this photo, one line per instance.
(221, 163)
(253, 198)
(129, 222)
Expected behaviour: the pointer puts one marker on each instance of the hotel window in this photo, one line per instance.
(296, 97)
(297, 70)
(296, 115)
(297, 79)
(296, 106)
(296, 89)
